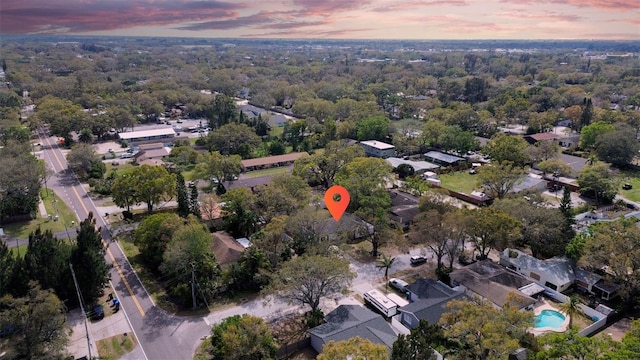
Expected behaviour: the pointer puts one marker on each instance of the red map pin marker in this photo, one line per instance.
(336, 199)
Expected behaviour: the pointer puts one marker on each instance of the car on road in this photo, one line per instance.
(97, 312)
(192, 184)
(417, 260)
(111, 151)
(398, 284)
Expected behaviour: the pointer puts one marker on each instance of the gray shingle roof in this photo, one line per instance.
(349, 321)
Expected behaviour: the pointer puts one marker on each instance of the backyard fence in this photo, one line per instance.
(287, 350)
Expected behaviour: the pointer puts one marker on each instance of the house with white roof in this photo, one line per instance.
(378, 149)
(555, 273)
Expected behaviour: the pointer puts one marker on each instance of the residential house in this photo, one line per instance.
(496, 284)
(378, 149)
(226, 249)
(271, 161)
(561, 138)
(531, 183)
(349, 321)
(404, 207)
(559, 274)
(419, 167)
(555, 273)
(155, 151)
(349, 226)
(429, 301)
(444, 159)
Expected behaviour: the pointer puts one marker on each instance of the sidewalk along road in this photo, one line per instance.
(153, 328)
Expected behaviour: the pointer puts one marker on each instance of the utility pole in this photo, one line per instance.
(193, 285)
(86, 326)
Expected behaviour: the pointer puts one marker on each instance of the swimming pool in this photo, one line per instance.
(549, 319)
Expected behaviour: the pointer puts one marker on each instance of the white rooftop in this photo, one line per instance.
(146, 133)
(377, 144)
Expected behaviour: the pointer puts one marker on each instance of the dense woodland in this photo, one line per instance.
(418, 96)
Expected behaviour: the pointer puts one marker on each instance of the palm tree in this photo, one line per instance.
(385, 263)
(572, 308)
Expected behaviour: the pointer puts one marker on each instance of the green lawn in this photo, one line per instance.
(633, 178)
(65, 216)
(119, 168)
(460, 181)
(276, 131)
(115, 347)
(266, 172)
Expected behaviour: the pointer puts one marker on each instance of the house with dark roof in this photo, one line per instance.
(271, 161)
(152, 153)
(429, 301)
(249, 183)
(496, 284)
(349, 321)
(226, 249)
(404, 207)
(444, 159)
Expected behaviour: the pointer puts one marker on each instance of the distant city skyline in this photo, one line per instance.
(328, 19)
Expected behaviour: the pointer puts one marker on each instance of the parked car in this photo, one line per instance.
(398, 284)
(627, 186)
(417, 260)
(97, 312)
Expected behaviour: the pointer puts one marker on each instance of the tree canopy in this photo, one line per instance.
(242, 337)
(308, 279)
(40, 323)
(355, 348)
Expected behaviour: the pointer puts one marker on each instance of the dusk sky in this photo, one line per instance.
(336, 19)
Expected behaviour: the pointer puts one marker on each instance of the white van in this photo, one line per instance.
(126, 155)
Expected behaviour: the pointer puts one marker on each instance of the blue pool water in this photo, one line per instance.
(549, 318)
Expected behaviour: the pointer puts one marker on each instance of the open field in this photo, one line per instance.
(266, 172)
(122, 166)
(65, 216)
(460, 181)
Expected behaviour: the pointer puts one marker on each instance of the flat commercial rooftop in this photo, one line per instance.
(147, 133)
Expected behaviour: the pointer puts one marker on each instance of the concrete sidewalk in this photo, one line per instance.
(111, 325)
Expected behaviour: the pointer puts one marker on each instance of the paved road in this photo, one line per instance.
(160, 335)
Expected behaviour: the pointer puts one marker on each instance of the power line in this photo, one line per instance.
(86, 326)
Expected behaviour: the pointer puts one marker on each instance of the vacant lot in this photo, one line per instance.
(460, 181)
